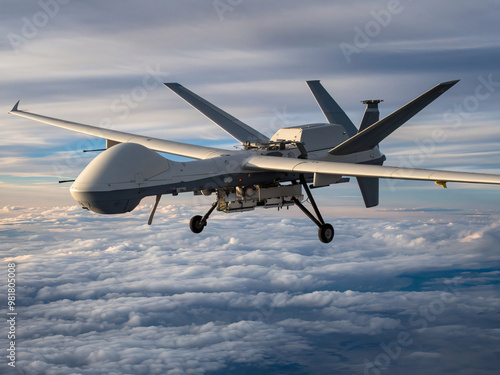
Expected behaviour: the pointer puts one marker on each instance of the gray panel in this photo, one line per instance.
(374, 134)
(242, 132)
(332, 111)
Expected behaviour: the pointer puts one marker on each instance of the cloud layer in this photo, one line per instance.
(255, 293)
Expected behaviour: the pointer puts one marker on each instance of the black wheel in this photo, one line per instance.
(326, 233)
(196, 225)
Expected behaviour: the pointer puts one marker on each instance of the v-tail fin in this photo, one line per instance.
(372, 135)
(332, 111)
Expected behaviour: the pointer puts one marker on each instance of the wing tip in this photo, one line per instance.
(14, 109)
(171, 84)
(450, 83)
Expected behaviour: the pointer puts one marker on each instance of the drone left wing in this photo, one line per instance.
(239, 130)
(114, 137)
(272, 163)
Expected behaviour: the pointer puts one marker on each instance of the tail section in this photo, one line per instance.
(332, 111)
(372, 130)
(371, 136)
(370, 186)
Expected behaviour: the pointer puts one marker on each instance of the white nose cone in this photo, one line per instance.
(122, 166)
(112, 182)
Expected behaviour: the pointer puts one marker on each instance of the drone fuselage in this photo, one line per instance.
(121, 176)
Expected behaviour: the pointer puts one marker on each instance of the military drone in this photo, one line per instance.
(265, 172)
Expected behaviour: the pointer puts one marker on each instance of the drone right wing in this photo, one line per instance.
(273, 163)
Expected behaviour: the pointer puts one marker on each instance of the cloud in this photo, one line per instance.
(255, 292)
(105, 294)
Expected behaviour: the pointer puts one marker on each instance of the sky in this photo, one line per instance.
(418, 275)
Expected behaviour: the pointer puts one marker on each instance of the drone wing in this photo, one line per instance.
(272, 163)
(242, 132)
(113, 137)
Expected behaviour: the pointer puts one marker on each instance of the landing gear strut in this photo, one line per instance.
(325, 231)
(199, 222)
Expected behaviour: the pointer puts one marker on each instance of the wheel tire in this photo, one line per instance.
(195, 224)
(326, 233)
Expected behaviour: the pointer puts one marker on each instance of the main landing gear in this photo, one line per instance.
(325, 231)
(199, 222)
